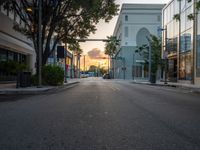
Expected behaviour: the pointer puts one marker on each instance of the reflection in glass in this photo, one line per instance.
(186, 41)
(182, 68)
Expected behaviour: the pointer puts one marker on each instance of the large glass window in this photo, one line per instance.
(126, 32)
(170, 30)
(189, 3)
(176, 7)
(10, 55)
(186, 41)
(182, 67)
(176, 27)
(126, 17)
(3, 55)
(168, 14)
(175, 42)
(188, 67)
(183, 4)
(185, 68)
(182, 17)
(188, 22)
(198, 45)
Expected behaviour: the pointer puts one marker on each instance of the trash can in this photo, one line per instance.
(25, 79)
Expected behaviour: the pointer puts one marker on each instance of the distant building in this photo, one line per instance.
(13, 45)
(181, 41)
(135, 23)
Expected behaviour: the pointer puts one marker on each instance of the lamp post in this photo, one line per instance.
(165, 52)
(65, 73)
(39, 44)
(149, 47)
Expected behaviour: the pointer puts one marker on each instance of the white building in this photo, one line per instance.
(135, 23)
(13, 45)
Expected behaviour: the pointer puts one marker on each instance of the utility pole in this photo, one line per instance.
(149, 61)
(40, 44)
(124, 68)
(65, 79)
(84, 64)
(194, 52)
(108, 64)
(165, 55)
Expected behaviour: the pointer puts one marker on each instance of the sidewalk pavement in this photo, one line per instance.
(10, 88)
(191, 87)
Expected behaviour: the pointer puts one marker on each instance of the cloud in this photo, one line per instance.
(96, 53)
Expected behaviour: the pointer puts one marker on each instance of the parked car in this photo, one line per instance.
(106, 76)
(84, 75)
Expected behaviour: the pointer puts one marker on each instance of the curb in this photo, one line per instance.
(192, 89)
(36, 91)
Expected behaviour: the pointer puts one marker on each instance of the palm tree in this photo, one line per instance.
(111, 48)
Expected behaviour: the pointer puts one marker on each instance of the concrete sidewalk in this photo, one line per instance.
(191, 87)
(10, 88)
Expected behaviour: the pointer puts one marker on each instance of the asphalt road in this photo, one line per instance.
(102, 115)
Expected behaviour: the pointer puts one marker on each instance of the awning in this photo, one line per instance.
(16, 45)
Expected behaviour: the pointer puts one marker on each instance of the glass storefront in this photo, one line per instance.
(172, 69)
(198, 46)
(184, 39)
(185, 68)
(6, 56)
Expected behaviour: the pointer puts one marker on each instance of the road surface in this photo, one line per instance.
(102, 114)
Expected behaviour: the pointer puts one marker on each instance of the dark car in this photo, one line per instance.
(106, 76)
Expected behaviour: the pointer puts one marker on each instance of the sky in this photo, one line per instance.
(104, 30)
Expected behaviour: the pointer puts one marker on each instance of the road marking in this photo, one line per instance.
(118, 89)
(114, 88)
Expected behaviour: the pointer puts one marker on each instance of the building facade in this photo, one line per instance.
(13, 45)
(135, 24)
(181, 41)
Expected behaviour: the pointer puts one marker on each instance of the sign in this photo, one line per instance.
(139, 61)
(60, 52)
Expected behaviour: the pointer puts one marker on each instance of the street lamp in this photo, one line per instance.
(40, 44)
(39, 63)
(165, 52)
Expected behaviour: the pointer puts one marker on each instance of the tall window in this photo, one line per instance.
(126, 18)
(126, 32)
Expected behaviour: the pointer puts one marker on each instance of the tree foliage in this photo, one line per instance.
(62, 20)
(156, 46)
(111, 46)
(93, 68)
(75, 47)
(53, 75)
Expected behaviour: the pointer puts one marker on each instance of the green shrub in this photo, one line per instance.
(12, 67)
(52, 75)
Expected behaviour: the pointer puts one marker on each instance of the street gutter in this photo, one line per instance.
(180, 86)
(35, 90)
